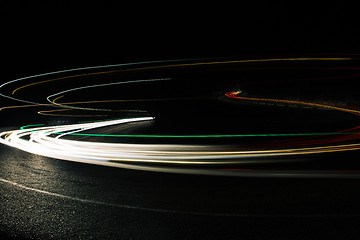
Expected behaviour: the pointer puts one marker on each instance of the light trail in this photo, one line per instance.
(234, 96)
(213, 135)
(349, 135)
(56, 96)
(51, 113)
(165, 65)
(50, 141)
(185, 65)
(39, 140)
(165, 62)
(80, 69)
(98, 101)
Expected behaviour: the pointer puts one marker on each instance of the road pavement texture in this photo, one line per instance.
(47, 198)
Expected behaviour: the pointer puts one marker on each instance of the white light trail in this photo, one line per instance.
(51, 141)
(40, 141)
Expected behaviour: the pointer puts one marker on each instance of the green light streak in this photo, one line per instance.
(206, 136)
(195, 136)
(33, 125)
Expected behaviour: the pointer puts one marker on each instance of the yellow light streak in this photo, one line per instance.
(294, 102)
(57, 98)
(50, 113)
(181, 65)
(25, 106)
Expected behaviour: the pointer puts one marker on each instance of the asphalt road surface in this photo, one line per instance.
(44, 198)
(48, 198)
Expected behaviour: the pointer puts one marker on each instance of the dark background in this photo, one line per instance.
(44, 36)
(41, 36)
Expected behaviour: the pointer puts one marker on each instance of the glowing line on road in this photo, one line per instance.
(53, 101)
(192, 136)
(32, 125)
(124, 155)
(42, 142)
(234, 95)
(101, 101)
(96, 86)
(184, 65)
(81, 75)
(51, 113)
(82, 69)
(41, 136)
(211, 135)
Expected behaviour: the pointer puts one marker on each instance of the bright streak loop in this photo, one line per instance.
(38, 140)
(181, 65)
(95, 86)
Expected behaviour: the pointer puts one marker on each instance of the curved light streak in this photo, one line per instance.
(56, 95)
(234, 95)
(76, 70)
(39, 140)
(213, 135)
(50, 142)
(184, 65)
(56, 114)
(146, 68)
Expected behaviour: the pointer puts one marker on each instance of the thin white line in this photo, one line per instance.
(85, 68)
(98, 85)
(170, 211)
(82, 200)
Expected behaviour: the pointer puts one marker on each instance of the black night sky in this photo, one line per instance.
(43, 36)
